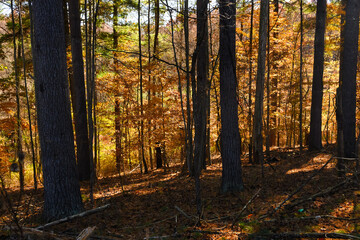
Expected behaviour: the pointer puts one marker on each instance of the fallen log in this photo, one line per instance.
(82, 214)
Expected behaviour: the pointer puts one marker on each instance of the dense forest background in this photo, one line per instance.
(153, 85)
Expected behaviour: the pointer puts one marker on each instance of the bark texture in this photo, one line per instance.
(315, 137)
(61, 187)
(260, 80)
(348, 67)
(78, 93)
(230, 136)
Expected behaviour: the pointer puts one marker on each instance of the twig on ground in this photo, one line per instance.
(45, 234)
(134, 169)
(150, 224)
(204, 231)
(85, 234)
(82, 214)
(292, 235)
(297, 190)
(321, 193)
(346, 159)
(245, 207)
(161, 237)
(312, 218)
(184, 213)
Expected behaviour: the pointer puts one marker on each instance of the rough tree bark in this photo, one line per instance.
(260, 80)
(61, 187)
(315, 136)
(230, 136)
(348, 70)
(78, 93)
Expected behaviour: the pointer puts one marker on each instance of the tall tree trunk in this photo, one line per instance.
(315, 137)
(348, 70)
(78, 93)
(27, 97)
(61, 187)
(230, 136)
(260, 79)
(149, 82)
(274, 81)
(141, 92)
(117, 88)
(189, 138)
(339, 111)
(267, 151)
(250, 83)
(301, 77)
(19, 150)
(200, 100)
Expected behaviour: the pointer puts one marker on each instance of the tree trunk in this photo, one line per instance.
(189, 138)
(117, 87)
(61, 187)
(230, 136)
(200, 100)
(348, 70)
(260, 80)
(27, 97)
(315, 137)
(141, 94)
(276, 56)
(159, 162)
(19, 150)
(78, 93)
(250, 83)
(301, 77)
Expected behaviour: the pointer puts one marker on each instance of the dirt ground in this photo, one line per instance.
(161, 204)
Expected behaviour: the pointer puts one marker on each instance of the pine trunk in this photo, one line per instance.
(348, 70)
(315, 137)
(78, 93)
(230, 136)
(61, 187)
(260, 80)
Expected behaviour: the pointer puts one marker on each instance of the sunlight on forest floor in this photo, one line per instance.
(162, 203)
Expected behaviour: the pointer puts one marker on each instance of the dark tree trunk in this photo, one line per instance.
(200, 100)
(340, 132)
(250, 83)
(276, 56)
(315, 136)
(27, 96)
(230, 136)
(159, 162)
(19, 150)
(348, 67)
(78, 93)
(260, 80)
(117, 87)
(189, 138)
(301, 77)
(61, 187)
(141, 93)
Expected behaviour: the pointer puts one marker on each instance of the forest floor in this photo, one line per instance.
(161, 204)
